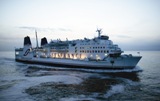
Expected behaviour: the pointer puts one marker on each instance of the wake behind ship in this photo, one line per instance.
(96, 53)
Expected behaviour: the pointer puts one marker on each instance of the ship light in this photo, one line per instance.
(75, 58)
(97, 57)
(17, 53)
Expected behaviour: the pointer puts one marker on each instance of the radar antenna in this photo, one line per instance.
(99, 32)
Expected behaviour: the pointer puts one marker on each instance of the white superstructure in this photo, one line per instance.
(99, 52)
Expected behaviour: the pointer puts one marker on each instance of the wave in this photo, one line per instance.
(136, 69)
(6, 60)
(115, 89)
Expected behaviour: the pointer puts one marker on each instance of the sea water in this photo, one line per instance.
(28, 82)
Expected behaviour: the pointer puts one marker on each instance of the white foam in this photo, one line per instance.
(136, 69)
(115, 89)
(18, 89)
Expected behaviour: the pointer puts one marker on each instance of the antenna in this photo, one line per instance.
(36, 39)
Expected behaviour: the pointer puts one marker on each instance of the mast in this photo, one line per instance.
(36, 39)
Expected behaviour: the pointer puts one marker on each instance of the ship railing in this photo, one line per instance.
(116, 51)
(59, 50)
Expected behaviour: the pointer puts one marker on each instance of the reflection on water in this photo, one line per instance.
(88, 87)
(131, 75)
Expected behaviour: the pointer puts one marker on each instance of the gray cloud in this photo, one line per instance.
(37, 28)
(29, 28)
(123, 36)
(63, 29)
(44, 29)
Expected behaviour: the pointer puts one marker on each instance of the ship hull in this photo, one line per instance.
(111, 63)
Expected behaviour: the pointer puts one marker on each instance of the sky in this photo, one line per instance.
(132, 24)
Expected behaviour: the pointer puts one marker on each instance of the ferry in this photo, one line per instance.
(96, 53)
